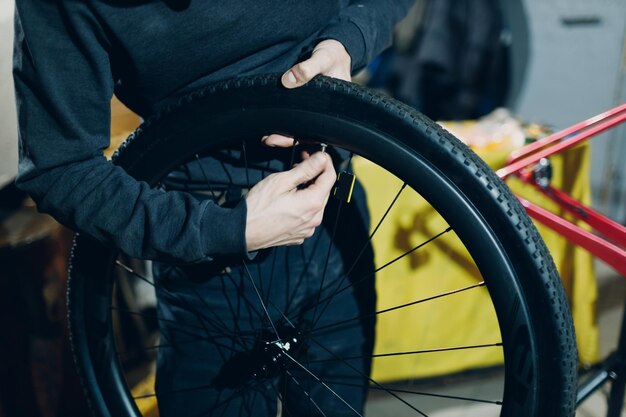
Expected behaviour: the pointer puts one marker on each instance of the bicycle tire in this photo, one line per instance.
(537, 334)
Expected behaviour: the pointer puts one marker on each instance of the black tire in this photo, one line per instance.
(537, 334)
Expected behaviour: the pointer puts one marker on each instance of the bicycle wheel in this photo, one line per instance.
(474, 209)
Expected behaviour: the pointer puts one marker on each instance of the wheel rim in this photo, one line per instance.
(409, 165)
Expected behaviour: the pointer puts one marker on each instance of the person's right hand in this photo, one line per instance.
(280, 213)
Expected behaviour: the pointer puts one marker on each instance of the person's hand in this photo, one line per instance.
(279, 213)
(328, 58)
(283, 212)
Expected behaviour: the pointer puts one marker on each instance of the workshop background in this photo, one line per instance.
(548, 63)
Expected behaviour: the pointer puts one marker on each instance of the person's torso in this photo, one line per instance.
(160, 49)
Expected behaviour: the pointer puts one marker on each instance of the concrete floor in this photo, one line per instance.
(612, 293)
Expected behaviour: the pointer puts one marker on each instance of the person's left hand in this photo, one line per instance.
(329, 58)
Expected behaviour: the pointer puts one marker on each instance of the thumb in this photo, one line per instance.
(303, 72)
(307, 170)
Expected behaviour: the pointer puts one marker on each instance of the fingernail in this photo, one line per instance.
(264, 138)
(290, 78)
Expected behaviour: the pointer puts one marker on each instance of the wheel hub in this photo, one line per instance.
(268, 358)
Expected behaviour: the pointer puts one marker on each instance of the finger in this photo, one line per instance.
(342, 73)
(307, 170)
(318, 218)
(300, 74)
(279, 141)
(324, 181)
(339, 61)
(336, 67)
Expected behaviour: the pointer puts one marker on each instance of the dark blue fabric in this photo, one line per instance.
(211, 318)
(71, 55)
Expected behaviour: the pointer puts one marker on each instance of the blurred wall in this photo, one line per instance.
(8, 129)
(577, 69)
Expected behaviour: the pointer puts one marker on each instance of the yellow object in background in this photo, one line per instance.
(462, 319)
(466, 318)
(571, 175)
(143, 393)
(458, 320)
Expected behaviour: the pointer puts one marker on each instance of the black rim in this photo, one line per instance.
(438, 188)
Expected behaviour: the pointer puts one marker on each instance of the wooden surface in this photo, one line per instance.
(123, 123)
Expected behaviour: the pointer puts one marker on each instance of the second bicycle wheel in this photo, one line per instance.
(268, 328)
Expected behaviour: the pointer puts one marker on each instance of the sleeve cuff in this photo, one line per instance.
(224, 230)
(351, 37)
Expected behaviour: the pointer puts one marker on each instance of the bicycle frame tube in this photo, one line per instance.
(564, 139)
(578, 127)
(610, 242)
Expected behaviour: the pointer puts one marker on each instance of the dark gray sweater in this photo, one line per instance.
(72, 55)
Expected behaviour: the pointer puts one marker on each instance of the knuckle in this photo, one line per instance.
(271, 179)
(316, 205)
(305, 221)
(282, 176)
(305, 71)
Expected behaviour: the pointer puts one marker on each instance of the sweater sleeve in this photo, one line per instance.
(365, 27)
(63, 85)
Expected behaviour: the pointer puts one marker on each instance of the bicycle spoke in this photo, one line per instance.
(236, 339)
(316, 318)
(324, 271)
(311, 400)
(420, 301)
(206, 176)
(271, 277)
(156, 317)
(245, 163)
(267, 314)
(178, 343)
(263, 294)
(305, 270)
(371, 275)
(175, 391)
(234, 394)
(413, 352)
(495, 228)
(438, 235)
(195, 338)
(241, 297)
(217, 404)
(246, 404)
(179, 302)
(420, 393)
(282, 397)
(232, 308)
(321, 382)
(362, 250)
(135, 274)
(363, 375)
(226, 171)
(380, 222)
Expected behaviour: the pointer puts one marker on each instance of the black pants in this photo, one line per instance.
(218, 341)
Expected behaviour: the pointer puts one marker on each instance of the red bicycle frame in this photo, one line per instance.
(607, 241)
